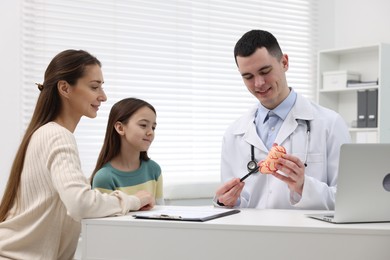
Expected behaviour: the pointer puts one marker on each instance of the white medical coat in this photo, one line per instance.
(328, 132)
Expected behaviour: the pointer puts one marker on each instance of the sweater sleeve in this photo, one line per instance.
(74, 190)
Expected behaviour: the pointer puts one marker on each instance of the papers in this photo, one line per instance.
(358, 83)
(190, 213)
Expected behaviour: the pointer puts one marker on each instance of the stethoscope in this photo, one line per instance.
(252, 164)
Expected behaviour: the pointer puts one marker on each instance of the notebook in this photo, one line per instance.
(363, 186)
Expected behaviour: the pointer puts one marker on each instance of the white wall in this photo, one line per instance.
(350, 23)
(361, 22)
(326, 24)
(342, 23)
(10, 83)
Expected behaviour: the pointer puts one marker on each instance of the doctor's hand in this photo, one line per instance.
(294, 170)
(229, 192)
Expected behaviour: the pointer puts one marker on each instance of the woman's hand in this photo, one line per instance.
(147, 200)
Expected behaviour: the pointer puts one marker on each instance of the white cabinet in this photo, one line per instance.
(372, 63)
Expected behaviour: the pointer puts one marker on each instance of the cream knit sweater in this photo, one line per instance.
(54, 195)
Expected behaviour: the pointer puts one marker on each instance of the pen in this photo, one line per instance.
(165, 216)
(249, 173)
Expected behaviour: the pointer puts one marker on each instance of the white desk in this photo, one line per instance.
(250, 234)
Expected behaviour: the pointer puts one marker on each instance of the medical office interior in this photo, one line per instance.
(339, 24)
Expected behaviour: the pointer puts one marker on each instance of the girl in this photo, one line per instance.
(47, 195)
(123, 163)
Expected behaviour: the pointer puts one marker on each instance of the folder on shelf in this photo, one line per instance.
(199, 214)
(362, 108)
(372, 108)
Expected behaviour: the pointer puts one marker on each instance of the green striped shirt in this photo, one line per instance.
(147, 177)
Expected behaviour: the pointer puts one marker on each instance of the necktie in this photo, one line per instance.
(270, 129)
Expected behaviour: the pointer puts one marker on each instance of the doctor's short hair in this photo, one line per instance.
(255, 39)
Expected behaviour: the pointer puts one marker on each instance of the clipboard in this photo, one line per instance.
(197, 214)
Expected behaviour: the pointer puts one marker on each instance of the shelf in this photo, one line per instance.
(347, 89)
(363, 129)
(371, 63)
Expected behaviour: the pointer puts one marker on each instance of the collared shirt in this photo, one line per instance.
(268, 122)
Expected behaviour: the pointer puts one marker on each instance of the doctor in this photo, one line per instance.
(311, 134)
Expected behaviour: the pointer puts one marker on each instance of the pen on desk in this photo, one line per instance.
(165, 216)
(249, 173)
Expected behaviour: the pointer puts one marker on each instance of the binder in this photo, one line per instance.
(372, 108)
(362, 101)
(198, 214)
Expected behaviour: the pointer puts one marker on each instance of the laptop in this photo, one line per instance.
(363, 186)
